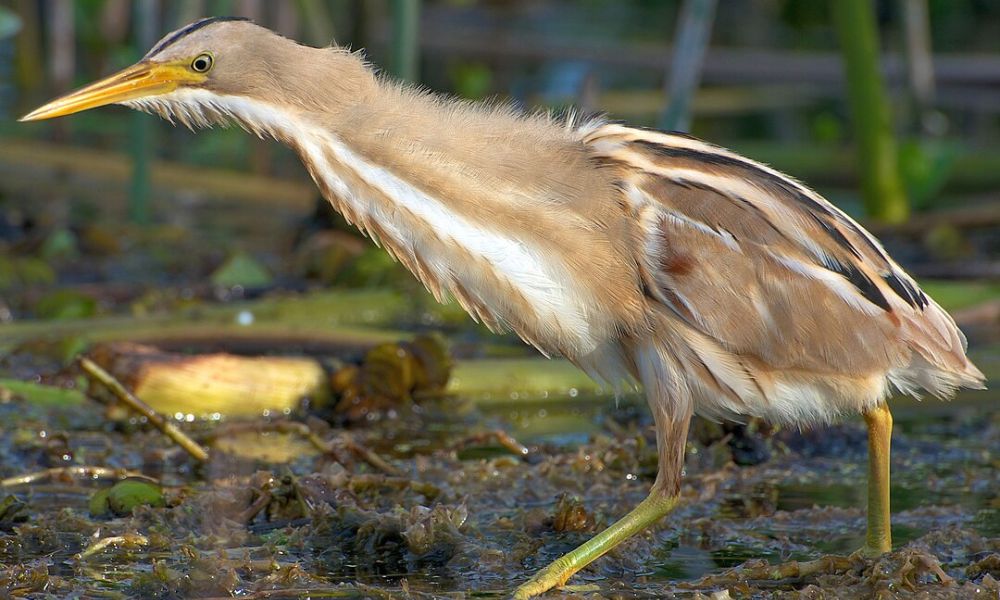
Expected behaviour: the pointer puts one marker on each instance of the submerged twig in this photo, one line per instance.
(360, 483)
(499, 435)
(761, 570)
(369, 456)
(133, 402)
(128, 540)
(346, 590)
(371, 591)
(74, 471)
(905, 567)
(332, 447)
(247, 515)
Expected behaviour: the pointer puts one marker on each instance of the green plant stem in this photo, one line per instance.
(882, 187)
(405, 42)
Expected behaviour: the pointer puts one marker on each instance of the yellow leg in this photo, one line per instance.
(671, 437)
(649, 511)
(879, 539)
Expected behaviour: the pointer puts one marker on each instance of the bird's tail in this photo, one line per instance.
(939, 364)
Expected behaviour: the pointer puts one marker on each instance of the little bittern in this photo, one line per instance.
(722, 286)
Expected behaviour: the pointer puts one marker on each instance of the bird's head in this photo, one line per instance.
(194, 71)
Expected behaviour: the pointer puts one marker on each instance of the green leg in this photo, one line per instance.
(671, 438)
(648, 512)
(879, 539)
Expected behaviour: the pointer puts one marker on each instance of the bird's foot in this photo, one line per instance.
(878, 540)
(868, 551)
(556, 574)
(552, 576)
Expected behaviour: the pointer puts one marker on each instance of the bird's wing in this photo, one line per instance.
(768, 268)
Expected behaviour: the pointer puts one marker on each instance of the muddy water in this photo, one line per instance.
(808, 499)
(467, 517)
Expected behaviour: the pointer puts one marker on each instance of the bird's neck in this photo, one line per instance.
(494, 207)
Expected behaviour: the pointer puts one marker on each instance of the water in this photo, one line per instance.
(807, 501)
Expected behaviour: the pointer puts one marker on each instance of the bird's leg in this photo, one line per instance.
(879, 539)
(650, 510)
(671, 438)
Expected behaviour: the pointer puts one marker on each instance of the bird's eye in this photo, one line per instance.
(202, 63)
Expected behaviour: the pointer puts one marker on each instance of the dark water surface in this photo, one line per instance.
(493, 517)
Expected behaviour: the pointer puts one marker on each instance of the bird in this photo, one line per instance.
(716, 284)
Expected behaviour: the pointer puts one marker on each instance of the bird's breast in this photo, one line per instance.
(546, 286)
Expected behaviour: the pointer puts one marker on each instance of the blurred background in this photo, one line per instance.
(141, 246)
(765, 77)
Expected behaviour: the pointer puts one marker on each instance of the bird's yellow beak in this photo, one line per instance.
(141, 80)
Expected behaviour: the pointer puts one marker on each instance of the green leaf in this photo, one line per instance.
(926, 167)
(61, 243)
(65, 304)
(123, 497)
(98, 504)
(241, 269)
(37, 393)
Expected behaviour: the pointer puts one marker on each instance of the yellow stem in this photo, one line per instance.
(129, 399)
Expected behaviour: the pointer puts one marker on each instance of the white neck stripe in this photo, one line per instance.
(513, 261)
